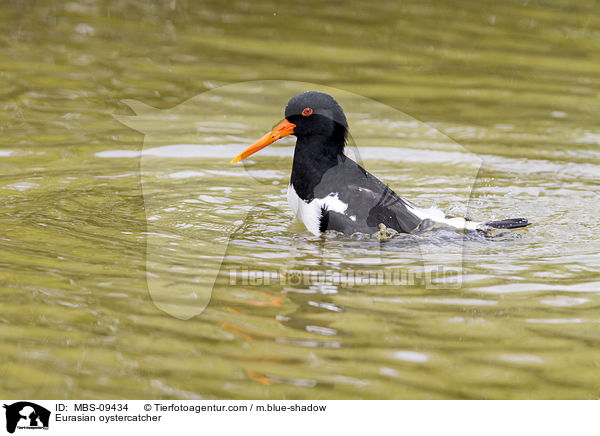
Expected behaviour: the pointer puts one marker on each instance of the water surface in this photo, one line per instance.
(516, 85)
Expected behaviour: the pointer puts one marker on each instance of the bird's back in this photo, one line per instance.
(349, 199)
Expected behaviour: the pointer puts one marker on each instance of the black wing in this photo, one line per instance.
(510, 223)
(370, 202)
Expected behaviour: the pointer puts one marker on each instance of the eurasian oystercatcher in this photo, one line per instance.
(329, 191)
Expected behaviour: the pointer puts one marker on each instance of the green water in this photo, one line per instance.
(515, 85)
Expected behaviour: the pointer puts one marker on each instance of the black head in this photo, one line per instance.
(316, 119)
(317, 114)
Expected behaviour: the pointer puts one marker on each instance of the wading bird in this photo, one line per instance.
(329, 191)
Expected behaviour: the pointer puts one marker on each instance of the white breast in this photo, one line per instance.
(310, 212)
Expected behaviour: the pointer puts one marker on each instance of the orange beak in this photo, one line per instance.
(282, 129)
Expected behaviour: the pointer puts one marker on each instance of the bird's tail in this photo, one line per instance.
(510, 223)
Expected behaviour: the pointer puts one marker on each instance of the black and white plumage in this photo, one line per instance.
(329, 191)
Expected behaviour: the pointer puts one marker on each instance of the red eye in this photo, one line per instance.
(307, 111)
